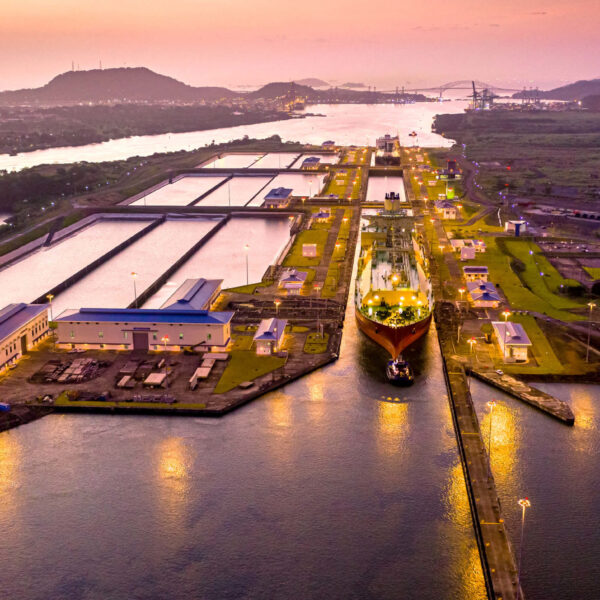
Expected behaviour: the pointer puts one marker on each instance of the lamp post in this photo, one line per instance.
(505, 314)
(587, 352)
(134, 275)
(165, 340)
(472, 342)
(461, 291)
(247, 250)
(491, 404)
(524, 503)
(50, 297)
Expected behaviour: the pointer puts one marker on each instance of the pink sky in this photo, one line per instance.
(229, 42)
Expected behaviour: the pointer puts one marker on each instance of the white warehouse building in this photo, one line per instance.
(143, 329)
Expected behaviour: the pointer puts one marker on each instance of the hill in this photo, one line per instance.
(571, 92)
(137, 84)
(313, 82)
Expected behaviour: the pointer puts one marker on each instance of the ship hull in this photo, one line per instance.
(394, 339)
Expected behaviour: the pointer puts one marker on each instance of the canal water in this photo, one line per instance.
(224, 255)
(238, 191)
(338, 486)
(111, 285)
(39, 272)
(232, 161)
(277, 160)
(181, 192)
(346, 124)
(556, 467)
(378, 187)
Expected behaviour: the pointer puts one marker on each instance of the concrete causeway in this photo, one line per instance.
(541, 400)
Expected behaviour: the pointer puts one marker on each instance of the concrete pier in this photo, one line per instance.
(545, 402)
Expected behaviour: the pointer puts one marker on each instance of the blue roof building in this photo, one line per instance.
(143, 329)
(278, 197)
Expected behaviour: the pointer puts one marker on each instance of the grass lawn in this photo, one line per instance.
(63, 400)
(243, 289)
(243, 342)
(547, 285)
(246, 365)
(594, 272)
(310, 236)
(315, 344)
(519, 297)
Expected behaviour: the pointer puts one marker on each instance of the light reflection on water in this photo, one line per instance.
(316, 490)
(556, 466)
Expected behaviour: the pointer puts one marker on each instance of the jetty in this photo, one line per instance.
(541, 400)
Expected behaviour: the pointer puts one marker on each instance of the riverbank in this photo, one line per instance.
(25, 129)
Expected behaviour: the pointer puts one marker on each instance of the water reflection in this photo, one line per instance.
(173, 481)
(10, 464)
(392, 418)
(505, 439)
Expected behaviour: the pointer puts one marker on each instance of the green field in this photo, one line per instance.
(315, 343)
(539, 297)
(246, 365)
(594, 272)
(310, 236)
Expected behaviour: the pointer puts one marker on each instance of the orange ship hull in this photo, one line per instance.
(393, 339)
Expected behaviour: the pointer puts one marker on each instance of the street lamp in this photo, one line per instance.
(247, 250)
(134, 275)
(277, 302)
(461, 291)
(587, 352)
(165, 340)
(505, 314)
(50, 296)
(472, 342)
(491, 404)
(524, 503)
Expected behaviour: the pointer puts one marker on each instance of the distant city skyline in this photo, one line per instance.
(234, 43)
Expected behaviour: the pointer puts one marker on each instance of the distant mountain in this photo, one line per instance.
(280, 89)
(353, 85)
(572, 91)
(313, 82)
(122, 84)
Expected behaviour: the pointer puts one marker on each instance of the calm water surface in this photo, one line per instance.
(344, 123)
(557, 468)
(321, 490)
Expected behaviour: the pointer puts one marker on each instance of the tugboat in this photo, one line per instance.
(399, 372)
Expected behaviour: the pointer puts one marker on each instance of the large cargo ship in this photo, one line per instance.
(388, 151)
(393, 299)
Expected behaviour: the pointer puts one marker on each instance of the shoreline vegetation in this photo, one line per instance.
(27, 129)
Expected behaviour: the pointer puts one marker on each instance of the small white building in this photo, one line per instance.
(447, 210)
(483, 294)
(516, 227)
(292, 281)
(22, 326)
(513, 341)
(142, 329)
(309, 250)
(475, 273)
(269, 336)
(458, 245)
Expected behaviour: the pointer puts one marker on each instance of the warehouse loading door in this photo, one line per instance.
(140, 340)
